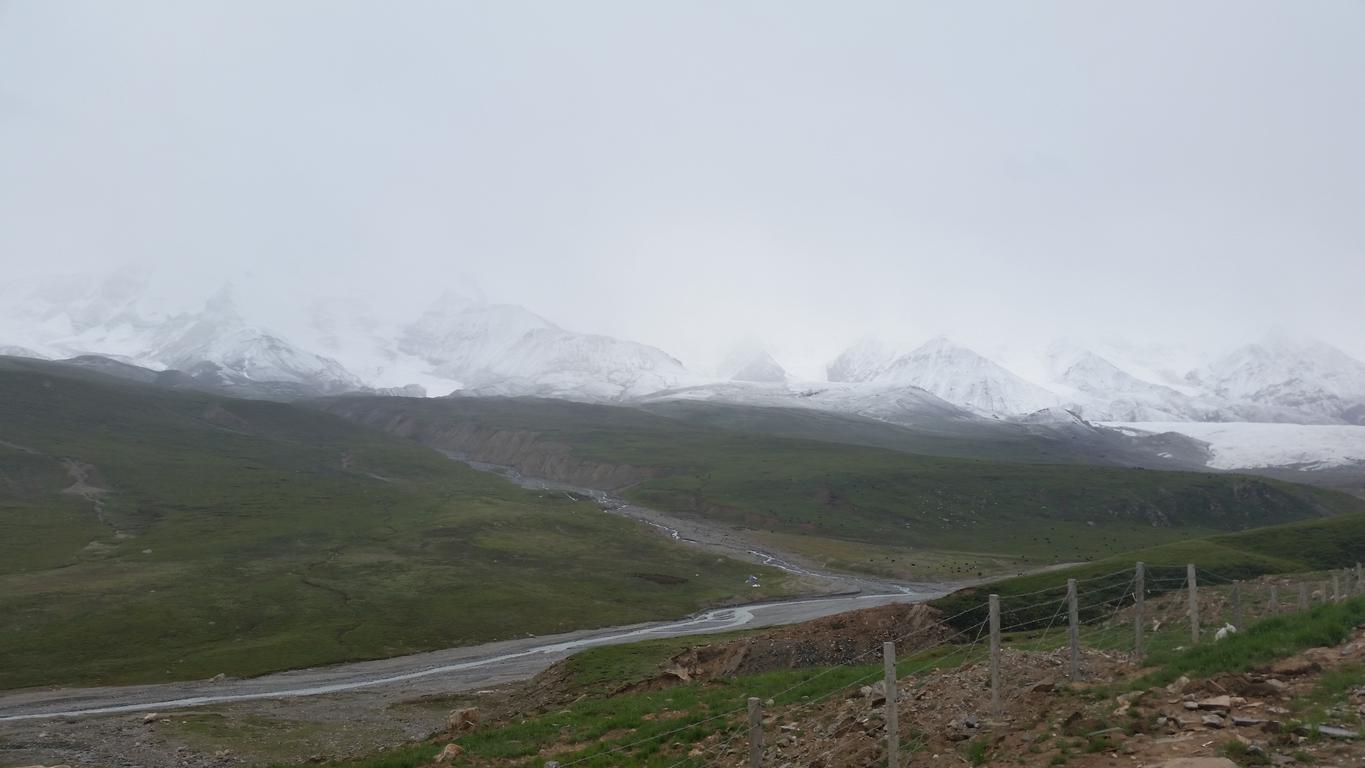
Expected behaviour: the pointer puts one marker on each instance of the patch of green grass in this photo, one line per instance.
(1310, 545)
(978, 751)
(245, 537)
(606, 668)
(415, 756)
(1102, 743)
(1261, 643)
(895, 562)
(1329, 701)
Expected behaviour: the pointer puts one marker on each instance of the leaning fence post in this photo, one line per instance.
(1194, 603)
(755, 733)
(1073, 630)
(1139, 602)
(1237, 605)
(995, 654)
(1274, 599)
(1303, 596)
(893, 731)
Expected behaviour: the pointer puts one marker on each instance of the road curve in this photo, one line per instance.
(451, 670)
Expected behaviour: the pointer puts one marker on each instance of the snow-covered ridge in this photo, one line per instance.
(1243, 445)
(1277, 380)
(463, 343)
(460, 343)
(963, 377)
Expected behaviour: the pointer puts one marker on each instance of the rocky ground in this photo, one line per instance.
(1046, 720)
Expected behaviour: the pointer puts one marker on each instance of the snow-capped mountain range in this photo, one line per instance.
(466, 345)
(461, 343)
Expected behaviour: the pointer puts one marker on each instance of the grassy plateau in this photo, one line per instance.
(149, 535)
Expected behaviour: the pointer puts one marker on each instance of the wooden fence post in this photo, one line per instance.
(1360, 580)
(1073, 630)
(1326, 597)
(893, 731)
(1336, 587)
(1237, 605)
(755, 733)
(1274, 599)
(995, 654)
(1139, 603)
(1190, 577)
(1303, 596)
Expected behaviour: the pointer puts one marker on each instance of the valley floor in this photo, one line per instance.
(105, 726)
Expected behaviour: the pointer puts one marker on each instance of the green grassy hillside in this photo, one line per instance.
(858, 506)
(151, 535)
(1311, 545)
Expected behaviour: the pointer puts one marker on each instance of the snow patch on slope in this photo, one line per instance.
(1252, 445)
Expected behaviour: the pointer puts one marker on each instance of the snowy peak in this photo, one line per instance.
(1296, 379)
(965, 378)
(1100, 390)
(863, 361)
(751, 362)
(507, 350)
(462, 337)
(118, 317)
(219, 336)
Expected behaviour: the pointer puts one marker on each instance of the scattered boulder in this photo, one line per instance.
(448, 754)
(463, 719)
(1223, 703)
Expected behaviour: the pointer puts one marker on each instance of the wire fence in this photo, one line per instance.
(1177, 607)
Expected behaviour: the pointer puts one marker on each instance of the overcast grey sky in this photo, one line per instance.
(688, 173)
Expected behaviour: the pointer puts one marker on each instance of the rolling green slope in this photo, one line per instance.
(152, 535)
(888, 504)
(1310, 545)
